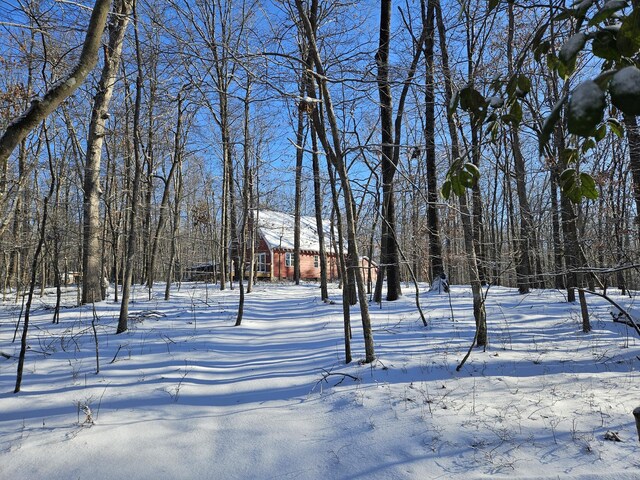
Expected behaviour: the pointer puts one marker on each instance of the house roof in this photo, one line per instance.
(277, 229)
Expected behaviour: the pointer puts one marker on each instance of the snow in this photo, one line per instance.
(496, 102)
(625, 83)
(277, 229)
(572, 47)
(586, 107)
(185, 394)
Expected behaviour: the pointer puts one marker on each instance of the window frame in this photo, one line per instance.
(261, 262)
(288, 259)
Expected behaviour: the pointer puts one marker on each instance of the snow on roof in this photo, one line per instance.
(277, 229)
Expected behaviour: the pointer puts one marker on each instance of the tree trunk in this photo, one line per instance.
(92, 271)
(174, 233)
(34, 271)
(436, 267)
(527, 237)
(479, 313)
(336, 156)
(164, 203)
(246, 194)
(389, 259)
(298, 186)
(633, 138)
(317, 196)
(133, 212)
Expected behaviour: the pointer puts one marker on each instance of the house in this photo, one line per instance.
(275, 253)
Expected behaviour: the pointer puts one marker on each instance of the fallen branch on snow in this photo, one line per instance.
(630, 321)
(326, 374)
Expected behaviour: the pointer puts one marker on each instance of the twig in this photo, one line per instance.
(95, 337)
(328, 374)
(114, 357)
(100, 400)
(631, 321)
(473, 344)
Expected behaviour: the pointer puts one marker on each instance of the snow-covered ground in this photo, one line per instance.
(185, 394)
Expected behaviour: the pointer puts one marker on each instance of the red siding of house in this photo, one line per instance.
(307, 269)
(280, 271)
(369, 275)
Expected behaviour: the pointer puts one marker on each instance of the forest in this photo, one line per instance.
(491, 143)
(465, 138)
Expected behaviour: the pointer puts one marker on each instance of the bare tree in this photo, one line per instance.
(333, 148)
(92, 267)
(57, 93)
(135, 187)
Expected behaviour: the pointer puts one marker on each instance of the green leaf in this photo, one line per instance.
(455, 166)
(628, 39)
(588, 186)
(569, 156)
(472, 169)
(550, 123)
(600, 132)
(577, 186)
(471, 100)
(574, 193)
(524, 84)
(588, 144)
(446, 189)
(567, 178)
(541, 50)
(607, 10)
(586, 108)
(569, 51)
(604, 78)
(582, 6)
(604, 45)
(466, 179)
(537, 38)
(516, 113)
(457, 187)
(616, 127)
(565, 71)
(624, 90)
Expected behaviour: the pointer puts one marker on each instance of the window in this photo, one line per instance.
(316, 261)
(288, 259)
(262, 262)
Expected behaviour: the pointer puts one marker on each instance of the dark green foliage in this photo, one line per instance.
(586, 109)
(461, 175)
(625, 90)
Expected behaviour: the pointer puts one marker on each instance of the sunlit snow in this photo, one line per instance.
(185, 394)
